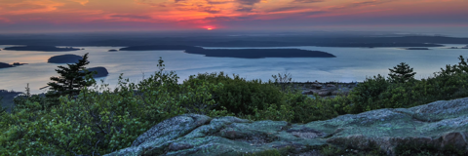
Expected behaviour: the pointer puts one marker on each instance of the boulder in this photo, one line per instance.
(101, 72)
(317, 85)
(440, 125)
(331, 86)
(67, 58)
(324, 92)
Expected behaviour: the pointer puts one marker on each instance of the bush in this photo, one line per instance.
(240, 96)
(102, 120)
(365, 95)
(377, 92)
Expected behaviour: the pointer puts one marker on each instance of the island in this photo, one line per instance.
(417, 49)
(235, 53)
(18, 64)
(113, 50)
(101, 72)
(5, 65)
(41, 48)
(67, 58)
(259, 53)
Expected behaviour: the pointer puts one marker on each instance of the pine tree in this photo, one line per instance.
(401, 73)
(71, 80)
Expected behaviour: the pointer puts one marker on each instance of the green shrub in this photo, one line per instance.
(364, 96)
(102, 120)
(240, 96)
(377, 92)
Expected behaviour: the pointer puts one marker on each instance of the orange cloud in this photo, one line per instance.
(215, 12)
(82, 2)
(18, 7)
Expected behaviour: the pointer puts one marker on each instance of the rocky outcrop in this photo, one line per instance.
(440, 125)
(67, 58)
(326, 89)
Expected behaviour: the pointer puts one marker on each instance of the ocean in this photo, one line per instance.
(349, 65)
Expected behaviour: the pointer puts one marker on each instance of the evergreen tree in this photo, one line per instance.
(71, 80)
(462, 67)
(401, 73)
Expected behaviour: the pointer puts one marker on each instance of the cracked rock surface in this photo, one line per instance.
(439, 124)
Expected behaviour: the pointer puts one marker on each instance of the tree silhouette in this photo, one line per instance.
(72, 79)
(401, 73)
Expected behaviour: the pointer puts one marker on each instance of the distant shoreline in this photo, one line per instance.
(41, 48)
(236, 41)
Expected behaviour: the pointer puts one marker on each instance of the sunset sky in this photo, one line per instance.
(160, 15)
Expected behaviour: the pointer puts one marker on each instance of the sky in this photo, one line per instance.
(22, 16)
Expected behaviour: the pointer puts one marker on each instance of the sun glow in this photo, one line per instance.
(209, 27)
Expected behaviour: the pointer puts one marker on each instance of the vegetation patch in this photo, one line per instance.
(79, 117)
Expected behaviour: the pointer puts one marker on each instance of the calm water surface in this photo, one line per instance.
(351, 64)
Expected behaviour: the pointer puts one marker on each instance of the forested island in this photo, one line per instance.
(67, 58)
(236, 53)
(417, 49)
(100, 71)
